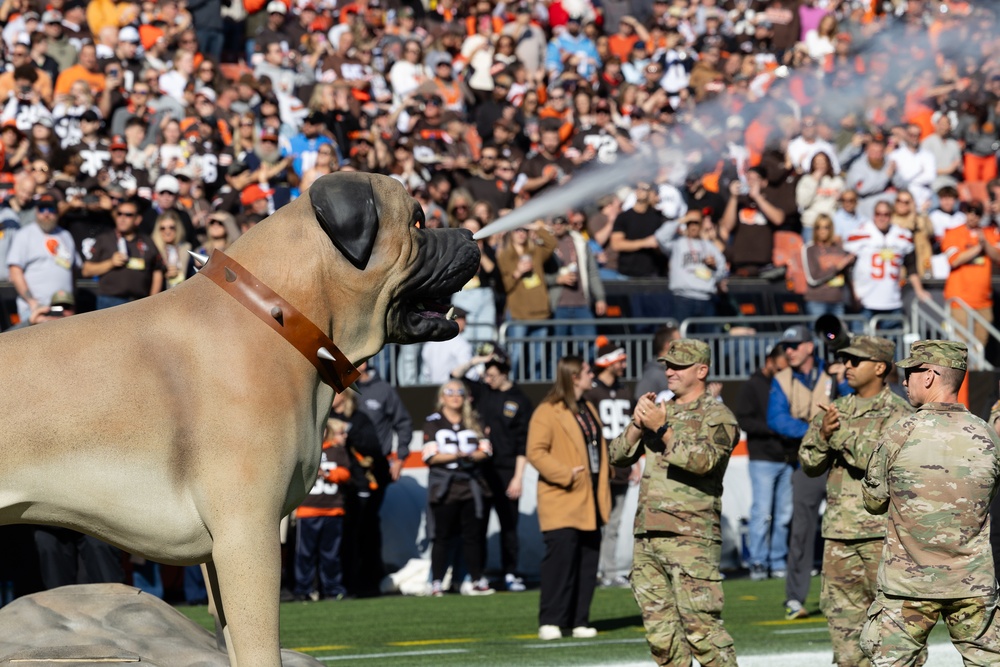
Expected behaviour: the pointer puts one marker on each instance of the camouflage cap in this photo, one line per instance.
(685, 352)
(947, 353)
(871, 347)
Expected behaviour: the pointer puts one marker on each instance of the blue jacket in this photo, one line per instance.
(779, 415)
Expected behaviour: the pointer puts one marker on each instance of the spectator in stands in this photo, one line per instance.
(817, 192)
(870, 175)
(382, 405)
(749, 221)
(948, 214)
(613, 400)
(576, 291)
(804, 147)
(946, 151)
(925, 243)
(639, 255)
(881, 249)
(455, 450)
(847, 217)
(42, 260)
(772, 462)
(504, 410)
(168, 236)
(971, 249)
(796, 395)
(125, 261)
(220, 232)
(696, 267)
(825, 263)
(914, 167)
(521, 261)
(566, 445)
(319, 520)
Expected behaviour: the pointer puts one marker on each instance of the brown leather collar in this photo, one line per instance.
(283, 317)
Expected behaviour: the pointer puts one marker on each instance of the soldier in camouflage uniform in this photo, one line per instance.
(678, 539)
(935, 472)
(840, 440)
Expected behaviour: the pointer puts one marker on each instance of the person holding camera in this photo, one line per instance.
(41, 259)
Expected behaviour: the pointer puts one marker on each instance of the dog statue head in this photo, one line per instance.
(379, 230)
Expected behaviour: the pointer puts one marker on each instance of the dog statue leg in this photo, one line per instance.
(248, 570)
(215, 603)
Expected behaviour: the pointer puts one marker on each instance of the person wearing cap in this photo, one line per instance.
(59, 48)
(796, 395)
(165, 191)
(934, 475)
(569, 43)
(839, 443)
(602, 139)
(304, 146)
(687, 442)
(613, 400)
(42, 258)
(121, 173)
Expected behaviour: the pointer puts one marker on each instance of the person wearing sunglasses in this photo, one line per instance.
(933, 477)
(41, 260)
(838, 444)
(125, 261)
(797, 392)
(455, 450)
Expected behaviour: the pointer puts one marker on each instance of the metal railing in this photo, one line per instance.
(735, 356)
(930, 320)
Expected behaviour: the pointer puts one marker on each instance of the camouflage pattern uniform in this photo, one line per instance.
(853, 537)
(678, 537)
(935, 472)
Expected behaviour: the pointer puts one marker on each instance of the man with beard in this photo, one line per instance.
(548, 167)
(869, 176)
(121, 173)
(93, 148)
(137, 106)
(485, 185)
(304, 146)
(613, 400)
(41, 260)
(268, 158)
(603, 140)
(569, 43)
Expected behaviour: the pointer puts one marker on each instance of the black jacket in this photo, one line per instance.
(751, 412)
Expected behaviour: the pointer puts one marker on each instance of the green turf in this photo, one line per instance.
(505, 624)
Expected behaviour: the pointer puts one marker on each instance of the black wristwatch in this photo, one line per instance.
(660, 432)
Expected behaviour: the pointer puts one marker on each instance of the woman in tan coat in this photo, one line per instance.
(566, 446)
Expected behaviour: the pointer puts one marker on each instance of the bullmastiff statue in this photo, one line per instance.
(184, 426)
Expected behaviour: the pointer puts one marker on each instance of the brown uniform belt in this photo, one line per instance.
(283, 317)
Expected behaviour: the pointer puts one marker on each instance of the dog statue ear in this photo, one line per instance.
(346, 209)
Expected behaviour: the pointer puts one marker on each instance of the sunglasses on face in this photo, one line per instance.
(454, 392)
(215, 222)
(127, 214)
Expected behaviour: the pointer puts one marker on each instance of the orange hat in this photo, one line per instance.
(253, 193)
(149, 34)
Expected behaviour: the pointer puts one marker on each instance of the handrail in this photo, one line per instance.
(943, 325)
(974, 316)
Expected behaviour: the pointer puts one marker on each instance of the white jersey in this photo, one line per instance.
(942, 221)
(878, 269)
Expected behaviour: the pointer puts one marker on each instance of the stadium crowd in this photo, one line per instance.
(847, 147)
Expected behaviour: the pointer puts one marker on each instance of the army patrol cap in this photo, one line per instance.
(871, 348)
(947, 353)
(686, 352)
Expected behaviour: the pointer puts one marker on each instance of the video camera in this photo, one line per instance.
(834, 335)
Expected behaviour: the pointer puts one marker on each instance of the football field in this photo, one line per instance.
(501, 630)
